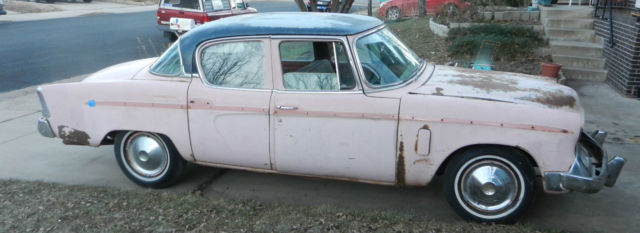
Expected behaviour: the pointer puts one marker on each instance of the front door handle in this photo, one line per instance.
(287, 107)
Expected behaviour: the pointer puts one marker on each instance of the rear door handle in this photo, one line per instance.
(287, 107)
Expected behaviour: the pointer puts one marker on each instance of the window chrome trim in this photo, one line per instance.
(295, 38)
(376, 88)
(209, 43)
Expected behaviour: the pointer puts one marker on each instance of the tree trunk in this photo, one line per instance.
(335, 5)
(346, 6)
(301, 5)
(313, 4)
(421, 7)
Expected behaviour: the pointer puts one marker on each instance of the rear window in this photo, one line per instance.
(216, 5)
(188, 4)
(169, 63)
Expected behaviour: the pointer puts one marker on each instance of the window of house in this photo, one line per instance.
(234, 64)
(315, 66)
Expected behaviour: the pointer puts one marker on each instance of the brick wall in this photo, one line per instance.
(623, 60)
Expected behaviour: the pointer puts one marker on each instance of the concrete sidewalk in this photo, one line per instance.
(67, 10)
(25, 155)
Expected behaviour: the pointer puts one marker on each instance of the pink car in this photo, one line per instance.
(335, 96)
(394, 9)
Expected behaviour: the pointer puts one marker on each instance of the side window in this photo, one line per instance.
(234, 64)
(169, 63)
(216, 5)
(189, 4)
(315, 66)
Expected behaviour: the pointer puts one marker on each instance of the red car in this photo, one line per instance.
(394, 9)
(198, 12)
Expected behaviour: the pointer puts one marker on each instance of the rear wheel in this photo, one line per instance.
(393, 13)
(148, 159)
(489, 184)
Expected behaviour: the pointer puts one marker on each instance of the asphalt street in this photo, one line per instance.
(37, 52)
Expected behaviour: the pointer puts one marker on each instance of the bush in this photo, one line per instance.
(511, 41)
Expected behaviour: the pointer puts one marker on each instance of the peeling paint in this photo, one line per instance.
(400, 167)
(554, 99)
(71, 136)
(487, 84)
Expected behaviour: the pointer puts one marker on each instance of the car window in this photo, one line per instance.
(169, 63)
(189, 4)
(385, 60)
(216, 5)
(234, 64)
(315, 66)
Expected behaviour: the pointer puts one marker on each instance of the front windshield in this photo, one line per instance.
(385, 60)
(169, 63)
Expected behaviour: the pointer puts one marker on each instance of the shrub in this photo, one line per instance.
(512, 41)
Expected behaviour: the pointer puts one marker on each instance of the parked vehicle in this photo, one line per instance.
(335, 96)
(394, 9)
(184, 14)
(322, 5)
(2, 11)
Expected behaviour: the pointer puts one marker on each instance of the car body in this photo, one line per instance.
(394, 9)
(197, 11)
(335, 96)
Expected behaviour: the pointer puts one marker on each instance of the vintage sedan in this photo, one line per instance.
(334, 96)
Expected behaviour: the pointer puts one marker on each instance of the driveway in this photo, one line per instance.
(26, 155)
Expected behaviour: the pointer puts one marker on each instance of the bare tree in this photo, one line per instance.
(421, 7)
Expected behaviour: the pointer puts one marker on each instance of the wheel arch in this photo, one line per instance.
(517, 149)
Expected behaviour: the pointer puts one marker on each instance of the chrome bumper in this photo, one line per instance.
(45, 128)
(591, 169)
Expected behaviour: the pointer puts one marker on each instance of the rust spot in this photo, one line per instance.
(487, 84)
(400, 170)
(425, 127)
(554, 99)
(71, 136)
(438, 91)
(422, 161)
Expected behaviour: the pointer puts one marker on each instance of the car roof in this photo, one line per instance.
(289, 23)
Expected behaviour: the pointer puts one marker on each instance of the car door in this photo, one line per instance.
(323, 125)
(229, 106)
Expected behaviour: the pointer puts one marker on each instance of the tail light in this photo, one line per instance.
(203, 19)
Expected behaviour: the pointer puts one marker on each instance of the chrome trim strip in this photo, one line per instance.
(43, 104)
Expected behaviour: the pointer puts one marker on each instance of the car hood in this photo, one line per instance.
(122, 71)
(501, 87)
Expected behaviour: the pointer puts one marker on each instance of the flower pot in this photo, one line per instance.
(550, 69)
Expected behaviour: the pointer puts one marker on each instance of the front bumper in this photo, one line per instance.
(45, 128)
(591, 170)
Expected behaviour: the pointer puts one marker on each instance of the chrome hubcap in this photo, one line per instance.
(146, 155)
(394, 14)
(489, 186)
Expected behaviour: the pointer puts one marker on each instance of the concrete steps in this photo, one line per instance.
(573, 41)
(571, 34)
(585, 74)
(579, 62)
(569, 23)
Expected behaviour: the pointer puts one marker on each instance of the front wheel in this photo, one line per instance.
(489, 184)
(148, 159)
